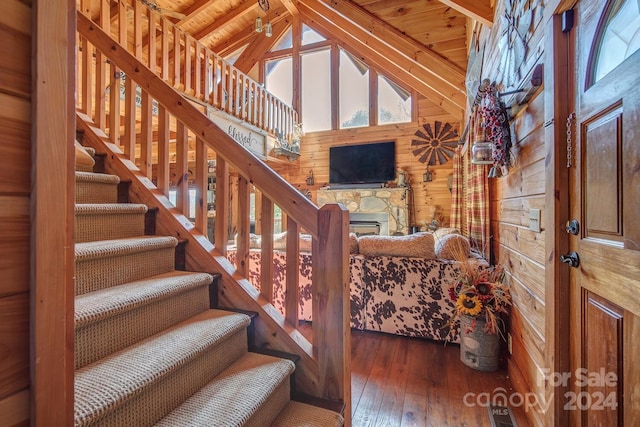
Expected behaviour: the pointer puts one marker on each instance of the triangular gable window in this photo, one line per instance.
(233, 56)
(617, 38)
(285, 42)
(310, 36)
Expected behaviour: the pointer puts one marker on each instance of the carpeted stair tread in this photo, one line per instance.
(96, 187)
(116, 208)
(110, 382)
(105, 303)
(102, 178)
(102, 221)
(105, 248)
(298, 414)
(235, 395)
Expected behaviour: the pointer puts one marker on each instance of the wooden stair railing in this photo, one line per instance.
(165, 116)
(184, 63)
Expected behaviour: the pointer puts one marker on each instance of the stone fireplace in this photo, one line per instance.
(388, 207)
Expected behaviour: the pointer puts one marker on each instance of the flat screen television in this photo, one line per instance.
(362, 163)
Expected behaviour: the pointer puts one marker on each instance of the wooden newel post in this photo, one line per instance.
(331, 330)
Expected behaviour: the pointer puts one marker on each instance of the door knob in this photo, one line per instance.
(573, 227)
(572, 259)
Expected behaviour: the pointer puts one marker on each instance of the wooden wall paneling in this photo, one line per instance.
(15, 151)
(14, 335)
(15, 214)
(15, 25)
(521, 182)
(515, 210)
(15, 229)
(520, 239)
(14, 410)
(530, 339)
(53, 197)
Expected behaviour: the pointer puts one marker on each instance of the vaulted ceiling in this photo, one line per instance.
(423, 43)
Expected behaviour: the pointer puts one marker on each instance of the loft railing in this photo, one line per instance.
(187, 65)
(151, 125)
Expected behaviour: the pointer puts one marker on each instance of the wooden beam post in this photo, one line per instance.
(52, 210)
(330, 307)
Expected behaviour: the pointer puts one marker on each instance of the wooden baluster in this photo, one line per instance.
(222, 205)
(237, 95)
(291, 301)
(164, 60)
(123, 24)
(137, 29)
(146, 134)
(101, 70)
(188, 64)
(251, 110)
(87, 78)
(266, 248)
(130, 119)
(199, 64)
(176, 58)
(182, 169)
(242, 227)
(215, 76)
(115, 108)
(163, 150)
(261, 107)
(202, 170)
(257, 206)
(114, 105)
(208, 71)
(153, 53)
(230, 89)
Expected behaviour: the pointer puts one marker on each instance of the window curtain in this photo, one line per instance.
(470, 200)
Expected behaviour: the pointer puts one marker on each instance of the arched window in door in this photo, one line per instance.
(617, 38)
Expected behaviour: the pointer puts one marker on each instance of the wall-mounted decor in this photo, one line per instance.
(435, 145)
(517, 26)
(495, 124)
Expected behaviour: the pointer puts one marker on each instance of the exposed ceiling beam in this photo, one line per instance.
(290, 6)
(192, 11)
(438, 80)
(235, 42)
(242, 9)
(260, 45)
(442, 68)
(480, 10)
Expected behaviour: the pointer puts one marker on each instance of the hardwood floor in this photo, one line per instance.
(398, 381)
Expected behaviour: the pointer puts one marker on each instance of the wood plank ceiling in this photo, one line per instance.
(422, 42)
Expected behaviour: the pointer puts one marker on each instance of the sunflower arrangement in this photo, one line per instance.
(480, 293)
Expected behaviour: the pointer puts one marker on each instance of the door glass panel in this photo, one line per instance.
(619, 38)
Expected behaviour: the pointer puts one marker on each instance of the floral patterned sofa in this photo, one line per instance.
(403, 295)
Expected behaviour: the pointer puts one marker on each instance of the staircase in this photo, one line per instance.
(149, 350)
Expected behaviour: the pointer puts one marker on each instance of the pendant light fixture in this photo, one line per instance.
(268, 29)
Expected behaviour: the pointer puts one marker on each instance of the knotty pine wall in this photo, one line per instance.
(15, 192)
(430, 199)
(522, 251)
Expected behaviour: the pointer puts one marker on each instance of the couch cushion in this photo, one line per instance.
(418, 245)
(443, 231)
(453, 246)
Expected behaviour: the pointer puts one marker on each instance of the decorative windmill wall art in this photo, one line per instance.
(436, 145)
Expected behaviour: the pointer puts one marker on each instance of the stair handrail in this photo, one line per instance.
(327, 361)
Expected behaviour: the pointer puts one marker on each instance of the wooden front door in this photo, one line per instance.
(604, 382)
